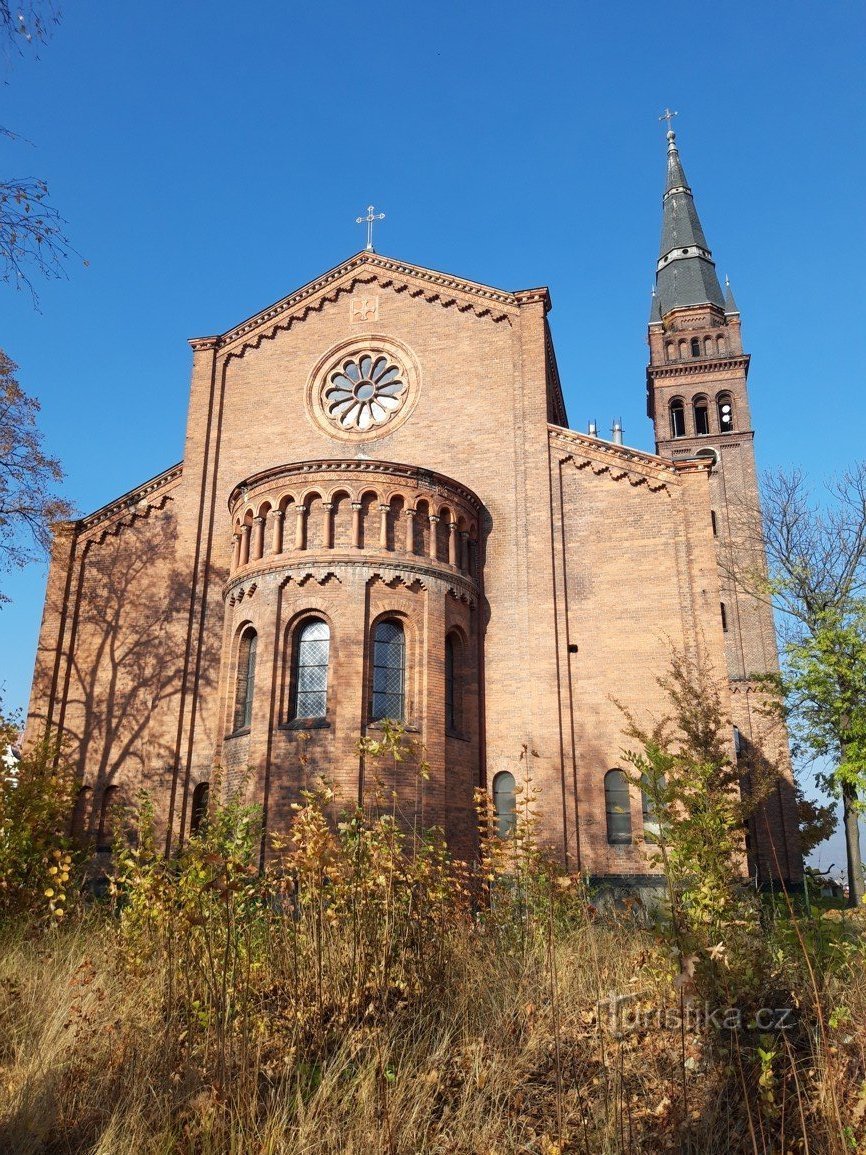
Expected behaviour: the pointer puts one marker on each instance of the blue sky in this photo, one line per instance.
(211, 157)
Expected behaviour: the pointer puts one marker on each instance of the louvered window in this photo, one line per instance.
(310, 674)
(389, 671)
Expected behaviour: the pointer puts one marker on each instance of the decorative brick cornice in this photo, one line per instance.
(700, 367)
(137, 501)
(367, 268)
(411, 474)
(298, 569)
(619, 462)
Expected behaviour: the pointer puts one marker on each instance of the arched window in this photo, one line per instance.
(724, 616)
(678, 418)
(726, 412)
(650, 820)
(713, 523)
(310, 670)
(505, 803)
(702, 416)
(452, 683)
(198, 811)
(246, 678)
(389, 671)
(696, 347)
(617, 807)
(107, 816)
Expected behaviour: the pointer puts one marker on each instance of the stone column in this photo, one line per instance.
(236, 551)
(431, 546)
(383, 526)
(245, 544)
(258, 545)
(300, 511)
(327, 525)
(410, 530)
(276, 516)
(452, 543)
(465, 559)
(356, 524)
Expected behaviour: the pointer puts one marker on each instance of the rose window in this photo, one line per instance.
(364, 391)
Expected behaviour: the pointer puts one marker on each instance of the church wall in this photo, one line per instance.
(117, 603)
(480, 418)
(640, 583)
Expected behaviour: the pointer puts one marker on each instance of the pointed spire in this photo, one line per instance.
(685, 273)
(730, 303)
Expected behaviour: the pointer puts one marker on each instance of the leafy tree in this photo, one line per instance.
(32, 231)
(36, 861)
(816, 580)
(28, 476)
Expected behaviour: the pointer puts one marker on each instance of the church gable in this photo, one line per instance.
(378, 273)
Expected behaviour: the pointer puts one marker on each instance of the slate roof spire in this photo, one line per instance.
(685, 273)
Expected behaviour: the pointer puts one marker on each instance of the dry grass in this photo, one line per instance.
(501, 1058)
(366, 995)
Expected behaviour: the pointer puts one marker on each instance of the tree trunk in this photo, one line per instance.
(850, 818)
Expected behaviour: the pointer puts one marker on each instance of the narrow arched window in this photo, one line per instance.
(505, 803)
(726, 412)
(246, 678)
(702, 416)
(696, 347)
(198, 811)
(452, 683)
(617, 807)
(724, 616)
(107, 818)
(310, 670)
(389, 671)
(713, 523)
(678, 418)
(650, 819)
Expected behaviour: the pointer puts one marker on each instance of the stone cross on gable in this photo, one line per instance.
(369, 218)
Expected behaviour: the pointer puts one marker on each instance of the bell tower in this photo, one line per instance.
(698, 400)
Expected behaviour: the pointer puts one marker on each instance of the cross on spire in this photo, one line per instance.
(369, 218)
(668, 116)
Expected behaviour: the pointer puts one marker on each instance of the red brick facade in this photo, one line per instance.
(553, 571)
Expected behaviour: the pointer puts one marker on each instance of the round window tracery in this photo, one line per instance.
(364, 391)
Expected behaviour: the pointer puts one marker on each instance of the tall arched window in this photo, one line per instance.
(246, 678)
(726, 412)
(617, 807)
(505, 803)
(702, 416)
(198, 811)
(678, 418)
(696, 347)
(389, 671)
(310, 670)
(452, 683)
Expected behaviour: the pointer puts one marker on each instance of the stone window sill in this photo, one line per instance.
(457, 735)
(306, 724)
(244, 730)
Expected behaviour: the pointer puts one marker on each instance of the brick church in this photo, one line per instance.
(351, 538)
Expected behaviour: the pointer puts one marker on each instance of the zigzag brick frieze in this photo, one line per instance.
(449, 292)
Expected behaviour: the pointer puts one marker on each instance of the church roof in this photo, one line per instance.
(685, 273)
(366, 266)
